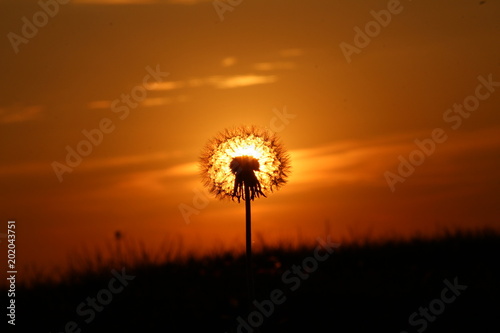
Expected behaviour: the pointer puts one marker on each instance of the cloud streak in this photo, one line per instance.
(138, 2)
(365, 161)
(216, 82)
(19, 114)
(278, 65)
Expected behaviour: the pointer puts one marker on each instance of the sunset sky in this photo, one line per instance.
(159, 78)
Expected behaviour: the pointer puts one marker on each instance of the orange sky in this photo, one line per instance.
(348, 119)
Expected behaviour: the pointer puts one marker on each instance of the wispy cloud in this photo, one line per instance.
(23, 169)
(237, 81)
(131, 160)
(156, 160)
(216, 82)
(167, 85)
(159, 101)
(137, 2)
(185, 169)
(270, 66)
(365, 161)
(188, 2)
(152, 172)
(99, 105)
(148, 102)
(113, 2)
(18, 113)
(348, 162)
(228, 61)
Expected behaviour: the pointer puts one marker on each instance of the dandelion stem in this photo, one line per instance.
(250, 285)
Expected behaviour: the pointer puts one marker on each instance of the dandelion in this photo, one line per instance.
(244, 158)
(244, 163)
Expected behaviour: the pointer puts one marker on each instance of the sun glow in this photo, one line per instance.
(250, 150)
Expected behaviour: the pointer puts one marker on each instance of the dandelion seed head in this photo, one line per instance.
(244, 156)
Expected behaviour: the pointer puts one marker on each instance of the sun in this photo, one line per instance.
(249, 150)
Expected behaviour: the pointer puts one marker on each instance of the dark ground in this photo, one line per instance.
(359, 288)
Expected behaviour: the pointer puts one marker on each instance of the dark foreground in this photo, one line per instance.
(445, 285)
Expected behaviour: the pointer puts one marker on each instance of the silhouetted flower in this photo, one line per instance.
(244, 157)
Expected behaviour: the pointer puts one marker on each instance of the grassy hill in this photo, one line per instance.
(448, 284)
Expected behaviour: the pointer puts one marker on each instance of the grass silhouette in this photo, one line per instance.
(366, 286)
